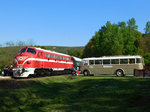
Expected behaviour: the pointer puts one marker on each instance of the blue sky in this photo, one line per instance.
(65, 22)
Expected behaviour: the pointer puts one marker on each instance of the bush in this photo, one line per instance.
(147, 59)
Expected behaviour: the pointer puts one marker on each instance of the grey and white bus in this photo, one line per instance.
(109, 65)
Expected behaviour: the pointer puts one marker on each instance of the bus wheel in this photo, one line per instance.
(119, 73)
(86, 73)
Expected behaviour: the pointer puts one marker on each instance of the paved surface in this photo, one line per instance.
(108, 75)
(8, 77)
(5, 77)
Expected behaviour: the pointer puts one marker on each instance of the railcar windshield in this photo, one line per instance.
(30, 50)
(23, 50)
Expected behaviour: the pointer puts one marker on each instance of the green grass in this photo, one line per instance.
(75, 94)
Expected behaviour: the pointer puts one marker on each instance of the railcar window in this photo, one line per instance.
(114, 61)
(52, 56)
(56, 57)
(30, 50)
(98, 62)
(132, 61)
(23, 50)
(138, 60)
(106, 61)
(91, 62)
(46, 55)
(123, 61)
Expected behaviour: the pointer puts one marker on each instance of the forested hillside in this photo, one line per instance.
(74, 51)
(7, 55)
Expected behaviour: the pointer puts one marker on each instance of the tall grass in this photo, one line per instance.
(75, 94)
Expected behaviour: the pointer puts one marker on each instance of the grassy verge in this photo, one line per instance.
(75, 94)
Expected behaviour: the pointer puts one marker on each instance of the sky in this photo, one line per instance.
(65, 22)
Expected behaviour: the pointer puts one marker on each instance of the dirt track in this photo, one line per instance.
(5, 77)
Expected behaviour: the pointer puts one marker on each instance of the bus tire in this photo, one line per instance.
(86, 73)
(119, 73)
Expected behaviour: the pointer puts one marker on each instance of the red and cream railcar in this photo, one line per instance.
(32, 61)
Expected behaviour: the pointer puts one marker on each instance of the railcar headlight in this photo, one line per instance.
(28, 62)
(14, 69)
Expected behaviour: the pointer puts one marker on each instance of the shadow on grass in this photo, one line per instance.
(86, 95)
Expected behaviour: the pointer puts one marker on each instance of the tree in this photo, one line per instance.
(30, 42)
(132, 24)
(114, 39)
(20, 43)
(122, 25)
(145, 43)
(107, 41)
(147, 29)
(147, 59)
(9, 44)
(77, 53)
(130, 38)
(110, 40)
(90, 48)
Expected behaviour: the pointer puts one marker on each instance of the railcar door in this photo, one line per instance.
(41, 60)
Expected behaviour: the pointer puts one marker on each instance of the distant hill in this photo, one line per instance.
(62, 49)
(7, 54)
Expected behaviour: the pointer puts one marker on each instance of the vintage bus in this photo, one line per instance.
(109, 65)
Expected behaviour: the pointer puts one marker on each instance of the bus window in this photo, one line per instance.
(123, 61)
(114, 61)
(132, 61)
(98, 62)
(138, 60)
(85, 62)
(106, 61)
(91, 62)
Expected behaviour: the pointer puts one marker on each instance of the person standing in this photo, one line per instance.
(5, 70)
(11, 70)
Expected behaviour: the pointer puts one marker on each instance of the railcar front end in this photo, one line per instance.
(23, 63)
(31, 61)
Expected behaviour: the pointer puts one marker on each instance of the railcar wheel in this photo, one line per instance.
(86, 73)
(119, 73)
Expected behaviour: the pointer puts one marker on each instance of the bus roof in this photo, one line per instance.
(77, 59)
(111, 57)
